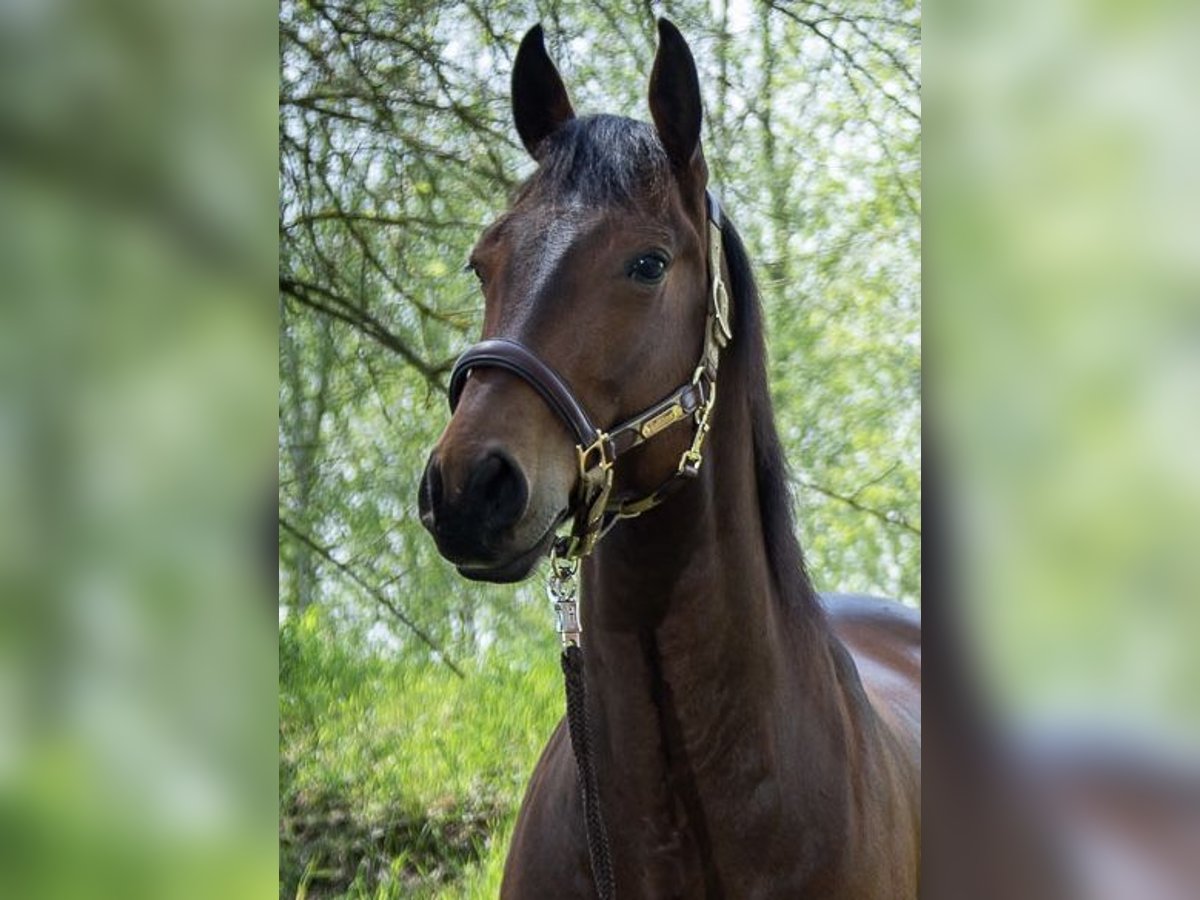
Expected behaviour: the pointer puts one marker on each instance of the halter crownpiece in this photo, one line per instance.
(597, 449)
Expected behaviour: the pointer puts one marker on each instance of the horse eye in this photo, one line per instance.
(649, 269)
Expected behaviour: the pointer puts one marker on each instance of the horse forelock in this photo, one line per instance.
(602, 160)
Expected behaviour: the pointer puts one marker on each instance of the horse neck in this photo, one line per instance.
(694, 576)
(701, 670)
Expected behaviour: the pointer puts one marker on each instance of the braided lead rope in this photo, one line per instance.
(581, 743)
(562, 589)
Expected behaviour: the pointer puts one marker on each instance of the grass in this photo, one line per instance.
(398, 779)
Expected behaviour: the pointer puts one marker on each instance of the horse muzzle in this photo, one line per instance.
(475, 516)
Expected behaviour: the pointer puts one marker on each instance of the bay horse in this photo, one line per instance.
(749, 738)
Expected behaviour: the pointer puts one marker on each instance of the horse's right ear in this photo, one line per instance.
(540, 102)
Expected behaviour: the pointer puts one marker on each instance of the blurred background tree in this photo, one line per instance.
(396, 148)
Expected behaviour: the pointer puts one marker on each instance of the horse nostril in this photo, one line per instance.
(429, 494)
(499, 487)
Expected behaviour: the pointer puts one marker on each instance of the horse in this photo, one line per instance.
(749, 737)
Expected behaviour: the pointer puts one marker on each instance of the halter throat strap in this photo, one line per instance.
(597, 449)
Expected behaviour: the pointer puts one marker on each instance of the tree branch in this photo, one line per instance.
(326, 553)
(888, 517)
(338, 215)
(345, 311)
(855, 23)
(845, 57)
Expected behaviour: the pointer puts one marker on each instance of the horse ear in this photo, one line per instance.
(540, 102)
(675, 96)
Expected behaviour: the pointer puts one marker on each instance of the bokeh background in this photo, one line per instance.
(137, 449)
(1062, 289)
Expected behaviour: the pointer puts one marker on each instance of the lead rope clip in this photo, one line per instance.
(563, 588)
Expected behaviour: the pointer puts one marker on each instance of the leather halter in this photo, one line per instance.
(597, 449)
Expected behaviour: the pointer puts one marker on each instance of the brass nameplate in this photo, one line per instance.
(668, 416)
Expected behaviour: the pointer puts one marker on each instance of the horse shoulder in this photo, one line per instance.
(548, 855)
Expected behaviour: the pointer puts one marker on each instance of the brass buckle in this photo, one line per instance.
(599, 447)
(595, 484)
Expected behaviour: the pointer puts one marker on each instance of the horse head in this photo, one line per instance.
(598, 274)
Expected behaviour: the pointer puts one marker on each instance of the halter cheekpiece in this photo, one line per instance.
(597, 449)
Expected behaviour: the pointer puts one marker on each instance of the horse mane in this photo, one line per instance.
(749, 362)
(603, 159)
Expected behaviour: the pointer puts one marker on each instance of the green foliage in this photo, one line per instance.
(397, 779)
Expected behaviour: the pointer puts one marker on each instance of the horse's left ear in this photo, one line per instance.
(675, 96)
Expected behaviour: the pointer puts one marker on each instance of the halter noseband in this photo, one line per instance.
(597, 449)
